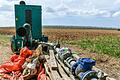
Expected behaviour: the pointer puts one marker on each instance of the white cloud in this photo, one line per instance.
(61, 8)
(6, 19)
(101, 8)
(117, 2)
(116, 14)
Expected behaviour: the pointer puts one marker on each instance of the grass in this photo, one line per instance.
(102, 44)
(5, 50)
(4, 39)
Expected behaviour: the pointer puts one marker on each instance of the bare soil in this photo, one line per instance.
(106, 63)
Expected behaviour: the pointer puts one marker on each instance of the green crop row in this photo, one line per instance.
(102, 44)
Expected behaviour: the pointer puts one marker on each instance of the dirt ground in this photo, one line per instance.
(5, 53)
(108, 64)
(76, 34)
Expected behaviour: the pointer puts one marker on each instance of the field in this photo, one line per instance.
(102, 45)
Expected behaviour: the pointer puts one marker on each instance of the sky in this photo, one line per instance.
(100, 13)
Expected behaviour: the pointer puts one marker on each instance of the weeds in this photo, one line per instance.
(102, 44)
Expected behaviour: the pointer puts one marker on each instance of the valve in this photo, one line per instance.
(83, 69)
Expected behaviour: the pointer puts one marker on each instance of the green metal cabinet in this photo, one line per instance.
(34, 13)
(30, 14)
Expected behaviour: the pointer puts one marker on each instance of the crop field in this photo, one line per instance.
(77, 34)
(100, 41)
(102, 45)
